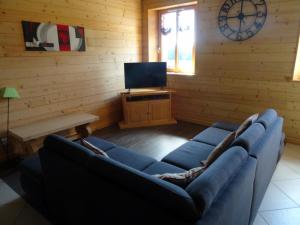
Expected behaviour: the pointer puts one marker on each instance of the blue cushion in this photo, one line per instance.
(162, 167)
(130, 158)
(67, 148)
(226, 126)
(208, 185)
(32, 167)
(32, 182)
(267, 118)
(100, 143)
(189, 155)
(266, 151)
(250, 137)
(212, 136)
(232, 206)
(63, 163)
(166, 194)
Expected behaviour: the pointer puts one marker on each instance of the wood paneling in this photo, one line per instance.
(56, 83)
(235, 79)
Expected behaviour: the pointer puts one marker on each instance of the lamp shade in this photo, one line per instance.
(9, 92)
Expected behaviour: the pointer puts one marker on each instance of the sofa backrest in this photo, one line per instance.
(75, 175)
(232, 205)
(256, 132)
(266, 152)
(263, 141)
(267, 118)
(208, 185)
(152, 189)
(250, 137)
(62, 163)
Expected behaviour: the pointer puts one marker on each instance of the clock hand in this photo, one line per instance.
(232, 17)
(241, 15)
(250, 15)
(242, 6)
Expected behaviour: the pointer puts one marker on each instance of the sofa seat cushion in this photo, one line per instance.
(99, 143)
(130, 158)
(212, 136)
(162, 167)
(226, 125)
(189, 155)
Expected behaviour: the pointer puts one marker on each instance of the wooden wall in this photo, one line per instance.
(235, 79)
(55, 83)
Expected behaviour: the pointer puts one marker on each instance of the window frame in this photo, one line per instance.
(177, 70)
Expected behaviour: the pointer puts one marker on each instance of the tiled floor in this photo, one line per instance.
(15, 211)
(281, 205)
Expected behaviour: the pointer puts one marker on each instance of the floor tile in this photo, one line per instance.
(291, 188)
(259, 221)
(282, 217)
(276, 199)
(283, 172)
(11, 204)
(15, 211)
(7, 194)
(293, 164)
(29, 216)
(291, 157)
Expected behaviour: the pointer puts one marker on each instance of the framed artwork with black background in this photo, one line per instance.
(53, 37)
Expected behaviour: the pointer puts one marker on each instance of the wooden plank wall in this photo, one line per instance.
(235, 79)
(56, 83)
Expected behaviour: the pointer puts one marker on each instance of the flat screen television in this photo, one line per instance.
(146, 74)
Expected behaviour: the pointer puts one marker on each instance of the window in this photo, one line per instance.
(297, 63)
(177, 39)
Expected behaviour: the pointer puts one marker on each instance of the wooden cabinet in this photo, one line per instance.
(146, 108)
(137, 112)
(160, 110)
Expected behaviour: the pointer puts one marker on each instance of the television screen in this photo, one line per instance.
(148, 74)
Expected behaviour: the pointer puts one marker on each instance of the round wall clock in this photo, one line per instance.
(240, 20)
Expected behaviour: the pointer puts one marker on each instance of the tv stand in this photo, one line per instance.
(147, 107)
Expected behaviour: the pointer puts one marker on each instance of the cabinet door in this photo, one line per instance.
(137, 112)
(160, 110)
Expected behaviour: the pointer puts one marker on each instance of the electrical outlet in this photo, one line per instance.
(3, 141)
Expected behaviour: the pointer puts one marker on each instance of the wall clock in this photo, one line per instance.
(240, 20)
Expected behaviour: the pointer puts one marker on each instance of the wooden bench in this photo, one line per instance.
(26, 136)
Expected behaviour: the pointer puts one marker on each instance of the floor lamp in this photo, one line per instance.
(8, 93)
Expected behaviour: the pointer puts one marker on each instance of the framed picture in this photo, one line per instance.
(53, 37)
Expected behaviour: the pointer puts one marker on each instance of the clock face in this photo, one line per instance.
(240, 20)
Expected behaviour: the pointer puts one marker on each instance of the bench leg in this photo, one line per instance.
(33, 146)
(83, 130)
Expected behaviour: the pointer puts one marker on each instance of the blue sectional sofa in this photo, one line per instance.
(75, 186)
